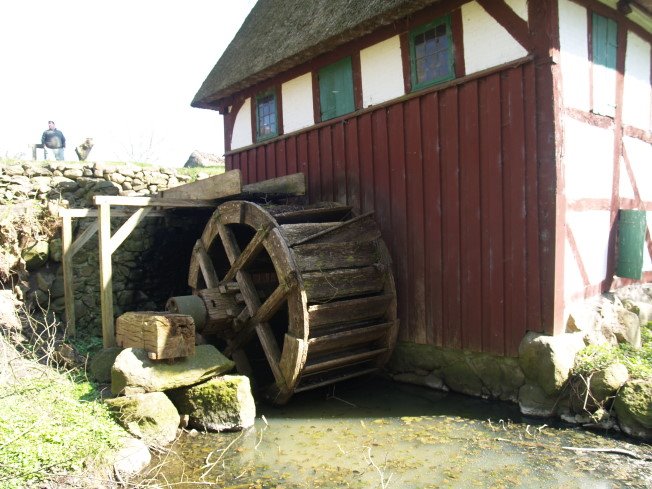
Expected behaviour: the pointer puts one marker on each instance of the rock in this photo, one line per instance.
(56, 250)
(533, 401)
(628, 328)
(73, 173)
(133, 457)
(633, 407)
(36, 255)
(431, 380)
(200, 160)
(102, 363)
(547, 360)
(151, 417)
(84, 149)
(221, 404)
(603, 386)
(133, 371)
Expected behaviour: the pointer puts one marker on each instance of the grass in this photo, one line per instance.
(598, 357)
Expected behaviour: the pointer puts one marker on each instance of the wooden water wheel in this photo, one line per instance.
(303, 295)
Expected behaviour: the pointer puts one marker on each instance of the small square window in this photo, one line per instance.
(431, 53)
(266, 116)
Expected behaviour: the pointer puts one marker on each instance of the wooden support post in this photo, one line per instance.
(106, 277)
(68, 290)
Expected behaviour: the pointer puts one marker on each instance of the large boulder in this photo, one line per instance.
(221, 404)
(198, 159)
(101, 364)
(633, 407)
(132, 457)
(547, 361)
(134, 372)
(533, 401)
(602, 388)
(151, 417)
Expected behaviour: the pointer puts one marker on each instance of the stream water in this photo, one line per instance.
(372, 433)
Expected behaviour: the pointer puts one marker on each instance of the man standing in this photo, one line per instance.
(53, 142)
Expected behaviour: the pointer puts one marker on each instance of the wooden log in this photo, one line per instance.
(328, 256)
(221, 310)
(336, 284)
(338, 361)
(294, 184)
(163, 335)
(347, 338)
(225, 184)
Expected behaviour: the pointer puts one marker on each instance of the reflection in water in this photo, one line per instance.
(372, 433)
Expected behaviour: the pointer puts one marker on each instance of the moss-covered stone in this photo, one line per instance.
(471, 373)
(102, 363)
(547, 360)
(602, 388)
(151, 417)
(223, 403)
(36, 255)
(633, 407)
(533, 401)
(133, 371)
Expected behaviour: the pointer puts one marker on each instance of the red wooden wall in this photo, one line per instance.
(452, 178)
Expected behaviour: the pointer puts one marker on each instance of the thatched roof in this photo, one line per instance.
(280, 34)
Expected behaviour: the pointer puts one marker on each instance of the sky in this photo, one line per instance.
(122, 72)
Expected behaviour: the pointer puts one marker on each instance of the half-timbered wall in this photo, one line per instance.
(606, 146)
(451, 175)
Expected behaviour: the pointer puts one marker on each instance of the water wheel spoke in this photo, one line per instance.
(206, 266)
(252, 250)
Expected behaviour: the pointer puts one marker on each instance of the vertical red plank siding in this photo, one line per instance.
(398, 211)
(514, 207)
(471, 239)
(491, 171)
(415, 228)
(433, 219)
(450, 170)
(452, 178)
(353, 190)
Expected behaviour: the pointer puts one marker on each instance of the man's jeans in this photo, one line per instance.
(56, 154)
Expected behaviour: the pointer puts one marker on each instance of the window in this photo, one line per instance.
(336, 89)
(266, 116)
(604, 40)
(431, 53)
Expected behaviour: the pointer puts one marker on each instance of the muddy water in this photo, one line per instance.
(372, 433)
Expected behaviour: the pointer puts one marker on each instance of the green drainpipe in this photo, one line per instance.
(631, 238)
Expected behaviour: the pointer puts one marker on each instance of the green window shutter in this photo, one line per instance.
(336, 89)
(604, 40)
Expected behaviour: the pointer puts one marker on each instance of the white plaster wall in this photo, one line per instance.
(588, 160)
(574, 57)
(636, 98)
(591, 232)
(242, 128)
(486, 42)
(297, 103)
(639, 154)
(625, 188)
(382, 72)
(519, 7)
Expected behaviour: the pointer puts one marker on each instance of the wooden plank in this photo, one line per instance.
(127, 227)
(106, 277)
(215, 187)
(281, 158)
(351, 310)
(365, 145)
(150, 201)
(337, 284)
(303, 387)
(295, 233)
(205, 265)
(95, 213)
(254, 247)
(328, 256)
(294, 184)
(83, 238)
(291, 156)
(471, 230)
(491, 195)
(68, 286)
(347, 338)
(339, 164)
(270, 161)
(317, 214)
(327, 177)
(451, 217)
(295, 351)
(352, 165)
(514, 209)
(314, 157)
(361, 228)
(432, 209)
(341, 361)
(381, 175)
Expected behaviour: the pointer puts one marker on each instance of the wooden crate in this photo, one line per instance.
(163, 335)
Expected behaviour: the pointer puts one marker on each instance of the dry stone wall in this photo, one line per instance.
(150, 266)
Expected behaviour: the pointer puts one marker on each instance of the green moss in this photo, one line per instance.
(634, 403)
